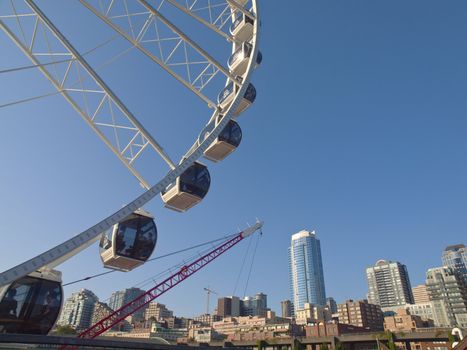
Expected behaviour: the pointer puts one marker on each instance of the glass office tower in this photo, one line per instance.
(306, 270)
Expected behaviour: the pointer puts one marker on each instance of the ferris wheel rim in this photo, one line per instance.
(74, 245)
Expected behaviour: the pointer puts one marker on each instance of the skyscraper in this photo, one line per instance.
(123, 297)
(455, 257)
(78, 310)
(306, 270)
(254, 306)
(389, 284)
(448, 294)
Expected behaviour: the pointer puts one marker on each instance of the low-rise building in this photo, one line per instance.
(312, 313)
(361, 313)
(403, 321)
(332, 329)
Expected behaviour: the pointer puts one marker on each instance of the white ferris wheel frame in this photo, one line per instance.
(79, 242)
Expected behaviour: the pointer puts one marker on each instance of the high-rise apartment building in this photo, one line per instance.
(254, 306)
(123, 297)
(306, 270)
(448, 294)
(78, 310)
(389, 285)
(420, 294)
(455, 257)
(362, 314)
(286, 308)
(157, 311)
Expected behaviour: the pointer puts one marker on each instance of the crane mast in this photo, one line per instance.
(164, 286)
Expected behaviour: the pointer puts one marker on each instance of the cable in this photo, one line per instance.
(243, 265)
(30, 99)
(11, 70)
(156, 258)
(251, 266)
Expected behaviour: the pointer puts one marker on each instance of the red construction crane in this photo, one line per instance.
(184, 272)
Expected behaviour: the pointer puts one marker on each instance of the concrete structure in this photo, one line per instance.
(425, 310)
(286, 308)
(403, 321)
(228, 306)
(420, 294)
(157, 311)
(455, 257)
(361, 314)
(389, 285)
(449, 296)
(123, 297)
(306, 270)
(101, 311)
(256, 305)
(78, 310)
(332, 329)
(204, 335)
(206, 320)
(311, 314)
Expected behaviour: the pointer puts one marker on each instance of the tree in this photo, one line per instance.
(296, 344)
(65, 330)
(324, 346)
(338, 345)
(261, 344)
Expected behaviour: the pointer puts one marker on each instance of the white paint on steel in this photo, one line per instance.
(82, 240)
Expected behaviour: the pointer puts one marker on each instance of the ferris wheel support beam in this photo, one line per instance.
(101, 83)
(75, 244)
(187, 39)
(136, 43)
(240, 8)
(127, 152)
(201, 20)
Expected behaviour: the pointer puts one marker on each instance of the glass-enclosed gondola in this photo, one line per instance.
(189, 188)
(31, 304)
(242, 27)
(238, 61)
(129, 243)
(227, 141)
(227, 95)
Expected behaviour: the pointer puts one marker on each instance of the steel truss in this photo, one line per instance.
(152, 33)
(27, 44)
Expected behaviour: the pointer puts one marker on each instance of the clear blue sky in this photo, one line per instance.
(358, 132)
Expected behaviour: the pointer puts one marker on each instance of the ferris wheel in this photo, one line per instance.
(154, 28)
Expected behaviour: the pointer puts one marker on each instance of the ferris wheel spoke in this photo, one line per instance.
(147, 29)
(207, 23)
(80, 85)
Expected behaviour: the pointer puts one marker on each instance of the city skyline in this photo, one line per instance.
(358, 132)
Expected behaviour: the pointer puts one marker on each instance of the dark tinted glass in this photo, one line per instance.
(195, 180)
(231, 134)
(30, 306)
(136, 238)
(259, 58)
(250, 93)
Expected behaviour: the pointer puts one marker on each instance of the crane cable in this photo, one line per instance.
(243, 265)
(252, 261)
